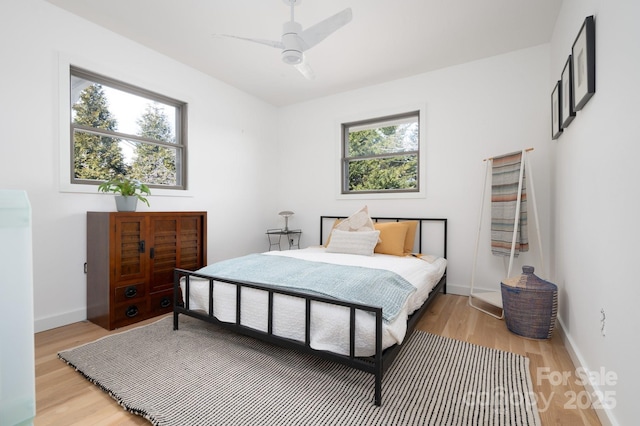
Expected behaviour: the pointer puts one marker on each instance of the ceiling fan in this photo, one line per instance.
(295, 41)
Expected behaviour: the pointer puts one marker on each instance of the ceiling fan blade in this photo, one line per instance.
(305, 69)
(318, 32)
(271, 43)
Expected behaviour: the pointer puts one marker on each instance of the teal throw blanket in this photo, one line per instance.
(374, 287)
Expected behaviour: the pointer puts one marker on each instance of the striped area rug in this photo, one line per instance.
(203, 375)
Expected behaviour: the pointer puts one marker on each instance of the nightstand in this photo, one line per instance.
(275, 237)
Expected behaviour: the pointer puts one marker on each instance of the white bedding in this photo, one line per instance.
(329, 323)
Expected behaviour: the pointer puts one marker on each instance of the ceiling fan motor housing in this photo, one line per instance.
(292, 52)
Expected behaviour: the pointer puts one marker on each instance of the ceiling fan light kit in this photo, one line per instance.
(292, 50)
(295, 41)
(291, 57)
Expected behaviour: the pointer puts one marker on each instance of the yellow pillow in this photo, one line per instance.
(392, 238)
(411, 236)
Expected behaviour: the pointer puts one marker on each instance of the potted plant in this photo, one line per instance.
(130, 190)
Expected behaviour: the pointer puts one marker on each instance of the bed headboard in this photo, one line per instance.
(431, 233)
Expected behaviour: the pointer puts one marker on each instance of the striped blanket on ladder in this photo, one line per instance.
(504, 192)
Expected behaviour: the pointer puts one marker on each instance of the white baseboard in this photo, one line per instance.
(604, 414)
(43, 324)
(461, 290)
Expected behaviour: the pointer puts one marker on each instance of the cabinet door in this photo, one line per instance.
(163, 231)
(177, 242)
(191, 242)
(131, 250)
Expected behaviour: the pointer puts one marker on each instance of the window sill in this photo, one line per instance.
(379, 196)
(93, 189)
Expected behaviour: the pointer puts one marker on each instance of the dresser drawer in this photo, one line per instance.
(130, 313)
(161, 302)
(129, 293)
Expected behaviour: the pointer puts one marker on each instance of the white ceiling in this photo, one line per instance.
(386, 40)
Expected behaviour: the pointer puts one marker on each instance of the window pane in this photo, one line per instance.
(103, 107)
(379, 174)
(385, 139)
(99, 158)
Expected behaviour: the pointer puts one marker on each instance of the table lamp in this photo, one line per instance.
(286, 214)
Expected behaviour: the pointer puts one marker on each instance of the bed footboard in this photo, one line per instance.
(374, 364)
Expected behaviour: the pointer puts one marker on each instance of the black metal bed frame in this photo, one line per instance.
(376, 364)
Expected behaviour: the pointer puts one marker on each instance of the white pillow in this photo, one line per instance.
(359, 221)
(362, 242)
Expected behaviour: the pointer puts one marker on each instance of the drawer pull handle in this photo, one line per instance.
(165, 302)
(130, 292)
(131, 311)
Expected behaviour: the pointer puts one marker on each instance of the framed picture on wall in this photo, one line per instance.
(566, 111)
(556, 112)
(583, 54)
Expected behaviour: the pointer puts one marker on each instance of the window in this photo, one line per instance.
(381, 155)
(120, 129)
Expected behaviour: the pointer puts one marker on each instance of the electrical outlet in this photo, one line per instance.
(603, 318)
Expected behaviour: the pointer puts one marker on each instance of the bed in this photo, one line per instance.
(262, 295)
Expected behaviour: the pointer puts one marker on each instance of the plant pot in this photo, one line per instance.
(126, 203)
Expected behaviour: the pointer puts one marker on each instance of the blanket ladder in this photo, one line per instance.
(494, 298)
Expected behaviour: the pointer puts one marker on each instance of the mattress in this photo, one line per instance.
(329, 329)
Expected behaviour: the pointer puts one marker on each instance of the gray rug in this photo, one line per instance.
(203, 375)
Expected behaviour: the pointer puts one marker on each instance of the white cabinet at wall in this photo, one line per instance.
(17, 370)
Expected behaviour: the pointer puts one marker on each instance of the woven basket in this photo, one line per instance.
(530, 305)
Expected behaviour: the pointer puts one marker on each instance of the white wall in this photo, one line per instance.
(585, 181)
(595, 220)
(231, 139)
(473, 111)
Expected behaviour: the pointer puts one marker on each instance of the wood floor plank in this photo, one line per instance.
(64, 397)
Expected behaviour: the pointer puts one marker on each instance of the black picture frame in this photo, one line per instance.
(556, 111)
(583, 54)
(566, 109)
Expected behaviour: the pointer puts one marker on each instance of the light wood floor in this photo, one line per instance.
(64, 397)
(451, 316)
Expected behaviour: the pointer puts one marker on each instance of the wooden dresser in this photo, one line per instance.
(130, 262)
